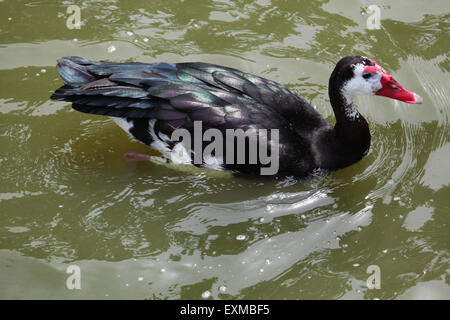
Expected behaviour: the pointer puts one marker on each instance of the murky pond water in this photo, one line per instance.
(143, 230)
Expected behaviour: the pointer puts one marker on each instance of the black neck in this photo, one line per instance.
(351, 129)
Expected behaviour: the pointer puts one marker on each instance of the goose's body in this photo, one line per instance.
(150, 101)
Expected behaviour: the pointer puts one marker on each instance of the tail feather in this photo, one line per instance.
(73, 73)
(80, 60)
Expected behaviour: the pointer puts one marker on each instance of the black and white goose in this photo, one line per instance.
(151, 101)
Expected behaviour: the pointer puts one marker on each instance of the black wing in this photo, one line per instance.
(179, 94)
(170, 90)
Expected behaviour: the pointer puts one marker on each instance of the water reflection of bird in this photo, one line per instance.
(150, 101)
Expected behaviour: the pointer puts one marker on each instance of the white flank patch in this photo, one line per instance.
(180, 155)
(158, 143)
(163, 137)
(124, 124)
(214, 163)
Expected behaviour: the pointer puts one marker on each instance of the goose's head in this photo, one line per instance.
(359, 75)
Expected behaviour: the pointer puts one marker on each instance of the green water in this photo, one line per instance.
(144, 230)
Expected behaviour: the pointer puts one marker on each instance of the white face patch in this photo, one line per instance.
(359, 86)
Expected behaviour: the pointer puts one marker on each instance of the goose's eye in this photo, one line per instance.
(367, 75)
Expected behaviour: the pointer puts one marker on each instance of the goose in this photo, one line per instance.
(153, 102)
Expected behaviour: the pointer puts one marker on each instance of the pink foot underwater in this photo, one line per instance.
(136, 156)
